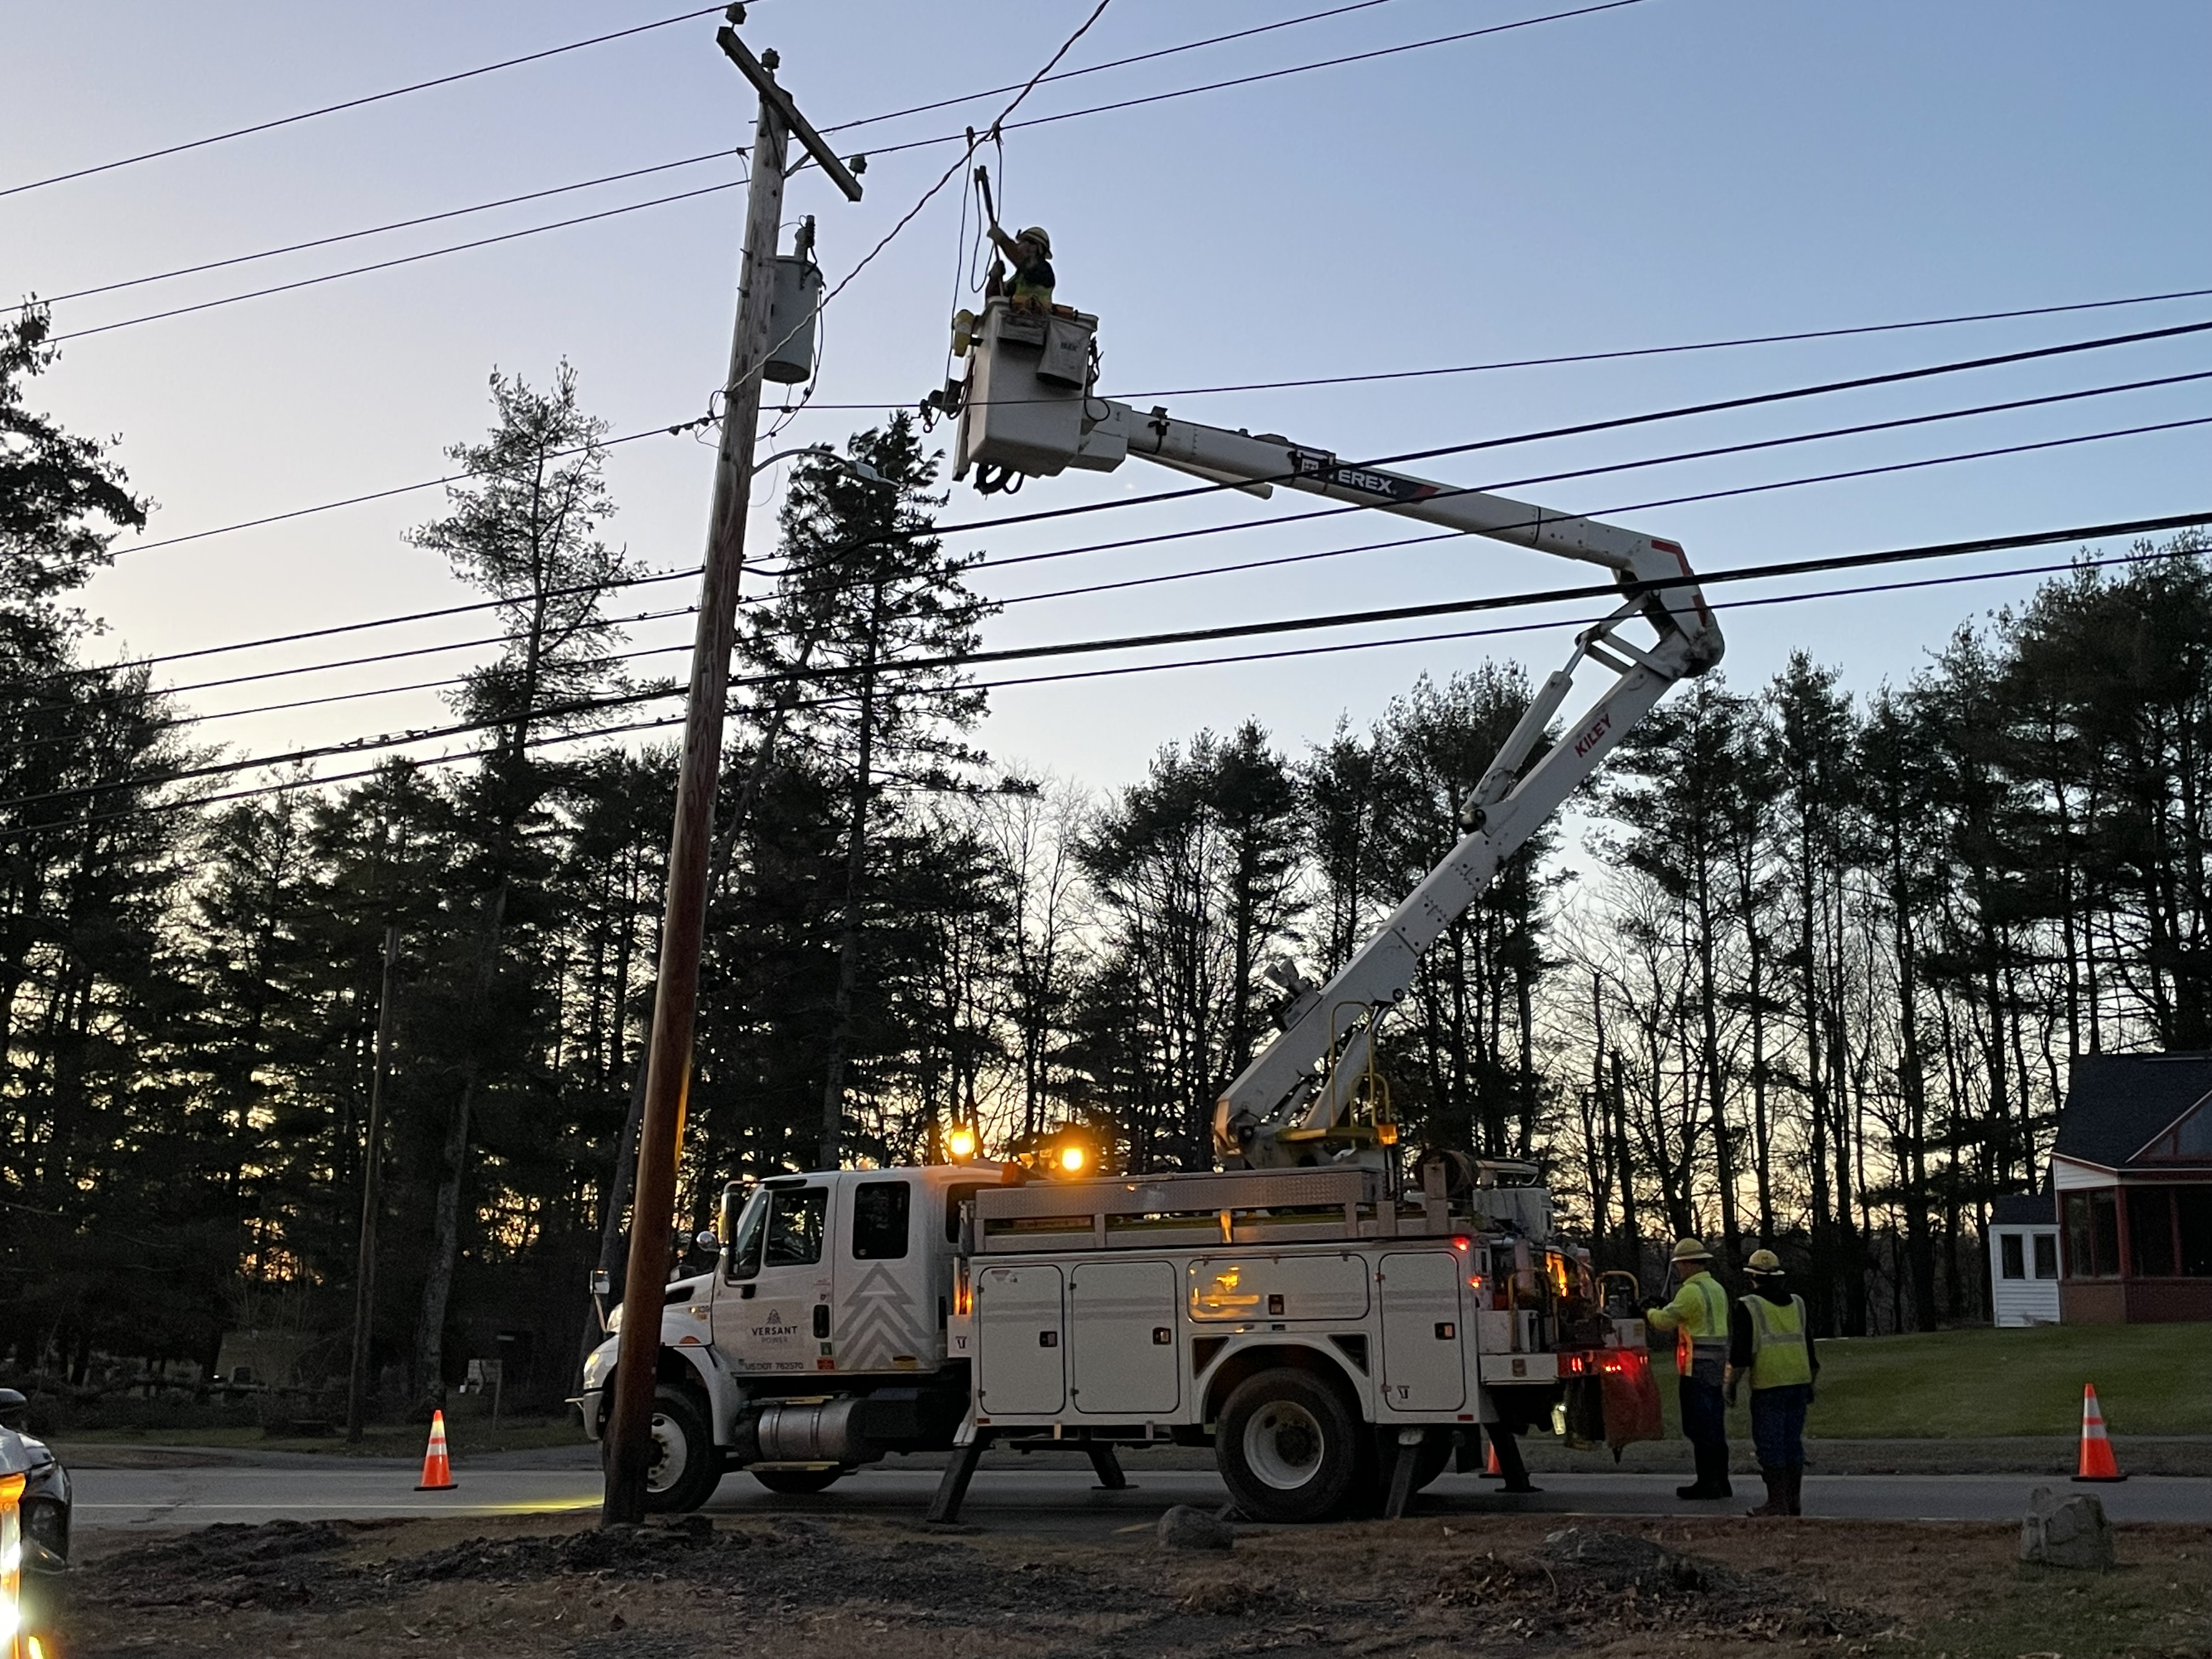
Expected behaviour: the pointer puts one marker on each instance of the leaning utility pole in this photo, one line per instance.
(675, 1005)
(364, 1276)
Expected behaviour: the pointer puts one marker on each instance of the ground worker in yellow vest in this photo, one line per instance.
(1770, 1342)
(1698, 1317)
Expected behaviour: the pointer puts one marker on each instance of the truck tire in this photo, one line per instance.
(683, 1466)
(797, 1483)
(1288, 1447)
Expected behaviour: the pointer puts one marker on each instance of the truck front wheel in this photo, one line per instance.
(683, 1467)
(1288, 1447)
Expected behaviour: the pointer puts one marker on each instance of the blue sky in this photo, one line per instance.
(1667, 171)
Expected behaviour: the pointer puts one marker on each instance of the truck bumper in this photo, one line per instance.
(588, 1403)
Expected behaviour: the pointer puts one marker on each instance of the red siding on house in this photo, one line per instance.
(2153, 1301)
(2093, 1302)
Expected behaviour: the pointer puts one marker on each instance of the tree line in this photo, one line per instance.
(1801, 967)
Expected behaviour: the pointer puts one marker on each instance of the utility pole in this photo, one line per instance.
(675, 1005)
(371, 1189)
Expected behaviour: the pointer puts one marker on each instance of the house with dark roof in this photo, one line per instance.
(2132, 1171)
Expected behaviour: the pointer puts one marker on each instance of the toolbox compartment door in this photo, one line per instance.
(1121, 1339)
(1020, 1329)
(1424, 1365)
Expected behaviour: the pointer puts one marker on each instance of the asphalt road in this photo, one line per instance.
(1061, 1500)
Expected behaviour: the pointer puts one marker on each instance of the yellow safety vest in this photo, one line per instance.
(1779, 1353)
(1699, 1314)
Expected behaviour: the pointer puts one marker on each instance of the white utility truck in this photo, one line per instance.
(1337, 1319)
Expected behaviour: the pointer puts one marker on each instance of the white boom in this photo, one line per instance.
(1292, 1105)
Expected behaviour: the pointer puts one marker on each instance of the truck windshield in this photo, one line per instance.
(745, 1238)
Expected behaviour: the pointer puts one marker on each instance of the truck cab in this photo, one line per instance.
(816, 1342)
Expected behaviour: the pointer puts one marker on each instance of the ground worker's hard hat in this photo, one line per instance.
(1035, 234)
(1691, 1249)
(1764, 1262)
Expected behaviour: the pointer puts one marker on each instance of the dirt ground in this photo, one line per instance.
(800, 1588)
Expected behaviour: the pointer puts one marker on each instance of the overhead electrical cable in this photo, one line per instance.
(1000, 123)
(1335, 511)
(656, 431)
(461, 757)
(689, 161)
(372, 230)
(1269, 75)
(354, 103)
(1275, 561)
(393, 264)
(1612, 592)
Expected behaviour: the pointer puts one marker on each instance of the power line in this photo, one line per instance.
(1708, 453)
(689, 160)
(1098, 69)
(1341, 380)
(353, 103)
(1612, 591)
(2044, 538)
(389, 265)
(1272, 562)
(1612, 423)
(1621, 355)
(1000, 124)
(1275, 75)
(372, 230)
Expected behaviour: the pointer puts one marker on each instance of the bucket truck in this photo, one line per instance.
(1337, 1326)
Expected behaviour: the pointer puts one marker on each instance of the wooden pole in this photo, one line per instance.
(676, 997)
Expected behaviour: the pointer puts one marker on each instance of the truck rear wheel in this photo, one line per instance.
(1288, 1447)
(682, 1466)
(797, 1483)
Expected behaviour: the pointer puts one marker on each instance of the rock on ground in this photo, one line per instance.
(2066, 1531)
(1183, 1528)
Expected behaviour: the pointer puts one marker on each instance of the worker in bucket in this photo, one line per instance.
(1698, 1317)
(1032, 255)
(1770, 1342)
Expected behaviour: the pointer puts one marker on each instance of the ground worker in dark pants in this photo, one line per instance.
(1770, 1342)
(1698, 1317)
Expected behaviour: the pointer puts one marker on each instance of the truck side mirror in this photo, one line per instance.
(707, 1242)
(13, 1406)
(603, 1282)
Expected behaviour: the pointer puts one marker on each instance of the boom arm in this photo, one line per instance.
(1285, 1106)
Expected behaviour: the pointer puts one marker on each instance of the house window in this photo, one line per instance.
(2150, 1232)
(2046, 1256)
(2192, 1216)
(2012, 1262)
(2092, 1235)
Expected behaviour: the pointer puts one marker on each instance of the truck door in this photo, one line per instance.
(885, 1313)
(772, 1312)
(1423, 1369)
(1018, 1324)
(1120, 1339)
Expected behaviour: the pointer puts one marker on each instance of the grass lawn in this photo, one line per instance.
(467, 1434)
(2150, 1379)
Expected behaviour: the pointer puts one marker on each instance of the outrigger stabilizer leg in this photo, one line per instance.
(959, 1470)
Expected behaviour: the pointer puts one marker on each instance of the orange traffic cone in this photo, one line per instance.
(2097, 1461)
(437, 1469)
(1490, 1469)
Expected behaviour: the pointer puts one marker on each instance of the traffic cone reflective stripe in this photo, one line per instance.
(2098, 1462)
(437, 1469)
